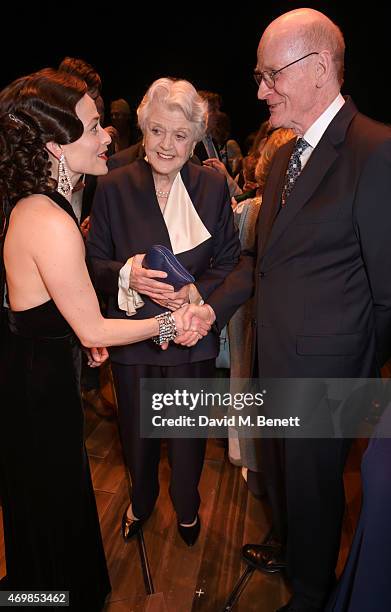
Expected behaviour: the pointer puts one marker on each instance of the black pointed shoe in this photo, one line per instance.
(190, 534)
(130, 527)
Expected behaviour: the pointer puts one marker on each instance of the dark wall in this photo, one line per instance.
(214, 52)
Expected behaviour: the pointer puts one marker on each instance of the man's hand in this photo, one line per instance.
(142, 280)
(193, 323)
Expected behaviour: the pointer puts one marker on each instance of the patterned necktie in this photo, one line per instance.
(293, 170)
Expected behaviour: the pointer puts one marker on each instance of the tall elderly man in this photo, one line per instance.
(322, 279)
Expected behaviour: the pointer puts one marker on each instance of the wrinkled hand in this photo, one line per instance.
(175, 299)
(193, 323)
(142, 280)
(96, 356)
(85, 227)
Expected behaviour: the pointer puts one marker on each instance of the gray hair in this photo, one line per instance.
(175, 94)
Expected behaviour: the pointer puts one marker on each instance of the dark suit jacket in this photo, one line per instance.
(126, 220)
(323, 264)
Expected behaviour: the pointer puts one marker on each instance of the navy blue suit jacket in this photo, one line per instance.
(126, 219)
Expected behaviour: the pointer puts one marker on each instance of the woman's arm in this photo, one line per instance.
(58, 252)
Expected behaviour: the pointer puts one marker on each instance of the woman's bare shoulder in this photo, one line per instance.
(40, 208)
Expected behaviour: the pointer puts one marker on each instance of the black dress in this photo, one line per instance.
(51, 526)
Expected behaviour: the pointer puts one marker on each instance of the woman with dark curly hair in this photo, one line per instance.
(50, 135)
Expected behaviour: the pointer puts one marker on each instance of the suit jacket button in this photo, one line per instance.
(261, 274)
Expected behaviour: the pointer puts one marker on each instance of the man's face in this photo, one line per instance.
(292, 99)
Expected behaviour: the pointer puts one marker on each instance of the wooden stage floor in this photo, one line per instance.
(197, 579)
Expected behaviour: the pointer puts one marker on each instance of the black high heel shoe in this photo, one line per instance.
(190, 534)
(130, 527)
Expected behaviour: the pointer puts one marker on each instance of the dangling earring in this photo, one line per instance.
(64, 184)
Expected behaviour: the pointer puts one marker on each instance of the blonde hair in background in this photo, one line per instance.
(175, 94)
(276, 139)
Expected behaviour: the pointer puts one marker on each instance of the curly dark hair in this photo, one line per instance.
(35, 110)
(83, 70)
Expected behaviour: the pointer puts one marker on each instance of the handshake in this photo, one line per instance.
(192, 323)
(191, 320)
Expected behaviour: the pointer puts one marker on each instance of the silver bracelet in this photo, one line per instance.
(167, 328)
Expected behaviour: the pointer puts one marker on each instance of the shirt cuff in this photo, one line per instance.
(128, 299)
(195, 296)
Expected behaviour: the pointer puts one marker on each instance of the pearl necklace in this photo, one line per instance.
(162, 194)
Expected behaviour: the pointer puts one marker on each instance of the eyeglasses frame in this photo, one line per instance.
(260, 76)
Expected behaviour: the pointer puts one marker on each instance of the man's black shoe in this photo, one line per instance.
(267, 560)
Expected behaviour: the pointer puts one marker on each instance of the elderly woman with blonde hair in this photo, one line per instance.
(162, 199)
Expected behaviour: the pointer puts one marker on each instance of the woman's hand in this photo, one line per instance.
(175, 299)
(193, 323)
(96, 356)
(85, 227)
(142, 280)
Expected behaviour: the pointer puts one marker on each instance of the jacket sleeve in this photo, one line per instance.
(103, 267)
(373, 222)
(237, 288)
(226, 247)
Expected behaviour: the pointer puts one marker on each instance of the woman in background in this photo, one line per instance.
(246, 451)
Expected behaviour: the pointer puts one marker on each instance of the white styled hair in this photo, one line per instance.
(175, 94)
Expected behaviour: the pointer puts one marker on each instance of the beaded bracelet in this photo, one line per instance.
(167, 328)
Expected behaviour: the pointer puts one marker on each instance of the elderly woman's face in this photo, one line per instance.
(168, 139)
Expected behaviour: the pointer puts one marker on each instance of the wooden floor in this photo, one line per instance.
(189, 579)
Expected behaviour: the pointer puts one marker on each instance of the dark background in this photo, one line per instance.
(131, 44)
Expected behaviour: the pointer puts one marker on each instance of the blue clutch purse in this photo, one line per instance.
(159, 257)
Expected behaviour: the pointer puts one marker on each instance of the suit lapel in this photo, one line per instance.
(272, 195)
(148, 203)
(316, 168)
(322, 158)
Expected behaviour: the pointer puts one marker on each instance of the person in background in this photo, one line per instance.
(120, 117)
(213, 100)
(247, 452)
(164, 199)
(219, 125)
(207, 147)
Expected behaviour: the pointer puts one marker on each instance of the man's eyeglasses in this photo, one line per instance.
(270, 77)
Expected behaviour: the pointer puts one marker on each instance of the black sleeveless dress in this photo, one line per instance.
(51, 527)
